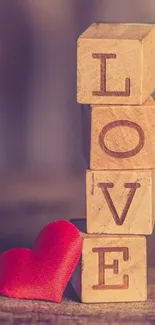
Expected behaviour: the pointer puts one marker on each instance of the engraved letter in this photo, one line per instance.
(115, 267)
(133, 187)
(103, 73)
(125, 154)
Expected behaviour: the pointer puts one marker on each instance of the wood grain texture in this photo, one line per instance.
(111, 269)
(115, 64)
(120, 202)
(122, 137)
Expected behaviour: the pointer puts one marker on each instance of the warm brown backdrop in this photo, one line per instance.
(41, 161)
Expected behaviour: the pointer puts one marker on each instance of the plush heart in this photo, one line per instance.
(43, 272)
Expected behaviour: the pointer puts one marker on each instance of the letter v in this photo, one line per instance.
(133, 187)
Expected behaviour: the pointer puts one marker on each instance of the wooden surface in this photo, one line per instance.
(72, 312)
(120, 202)
(122, 137)
(107, 57)
(111, 269)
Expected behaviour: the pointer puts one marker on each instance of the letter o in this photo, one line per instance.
(125, 154)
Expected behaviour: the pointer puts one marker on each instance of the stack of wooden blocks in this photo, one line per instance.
(116, 77)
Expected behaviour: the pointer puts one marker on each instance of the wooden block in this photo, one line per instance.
(86, 131)
(115, 64)
(111, 269)
(120, 202)
(122, 137)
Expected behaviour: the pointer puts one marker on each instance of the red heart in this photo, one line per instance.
(43, 272)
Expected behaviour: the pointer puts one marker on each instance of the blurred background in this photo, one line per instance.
(42, 168)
